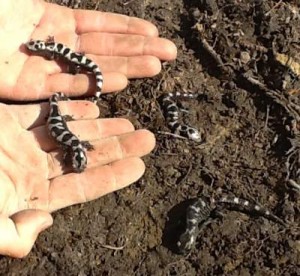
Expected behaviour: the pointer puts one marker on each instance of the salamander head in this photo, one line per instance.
(186, 242)
(35, 45)
(194, 134)
(79, 160)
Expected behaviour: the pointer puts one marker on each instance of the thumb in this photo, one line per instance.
(19, 232)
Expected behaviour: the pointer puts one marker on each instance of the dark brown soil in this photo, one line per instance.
(239, 155)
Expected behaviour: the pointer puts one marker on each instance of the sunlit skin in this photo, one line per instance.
(33, 181)
(124, 47)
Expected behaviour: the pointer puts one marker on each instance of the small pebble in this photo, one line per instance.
(245, 57)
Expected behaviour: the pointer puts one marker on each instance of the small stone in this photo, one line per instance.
(245, 57)
(186, 151)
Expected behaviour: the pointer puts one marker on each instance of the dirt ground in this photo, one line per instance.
(224, 46)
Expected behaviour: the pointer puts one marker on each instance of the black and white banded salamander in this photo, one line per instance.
(74, 4)
(60, 132)
(172, 109)
(51, 50)
(202, 211)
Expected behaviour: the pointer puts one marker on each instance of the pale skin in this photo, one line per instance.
(34, 180)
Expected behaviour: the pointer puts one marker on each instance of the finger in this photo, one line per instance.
(117, 69)
(85, 130)
(18, 233)
(33, 115)
(134, 144)
(132, 67)
(95, 182)
(83, 84)
(95, 21)
(126, 45)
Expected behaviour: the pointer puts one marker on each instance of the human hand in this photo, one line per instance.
(124, 47)
(34, 181)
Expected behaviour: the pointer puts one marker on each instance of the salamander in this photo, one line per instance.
(202, 211)
(52, 50)
(59, 130)
(172, 109)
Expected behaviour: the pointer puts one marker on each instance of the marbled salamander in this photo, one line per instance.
(74, 4)
(60, 132)
(201, 212)
(172, 109)
(51, 50)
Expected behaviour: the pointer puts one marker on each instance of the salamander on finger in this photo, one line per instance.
(52, 50)
(59, 130)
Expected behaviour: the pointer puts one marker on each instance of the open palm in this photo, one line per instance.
(124, 47)
(34, 180)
